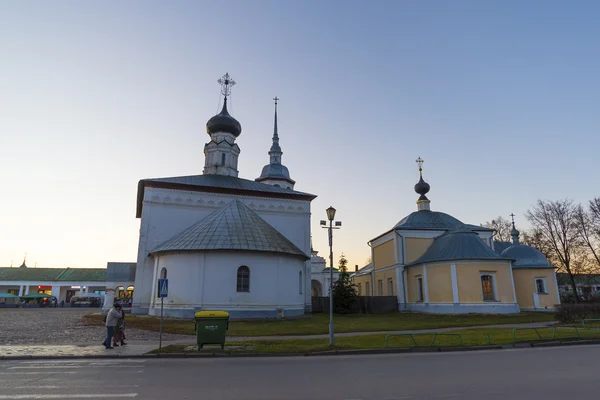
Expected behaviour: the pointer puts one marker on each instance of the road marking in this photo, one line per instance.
(66, 366)
(36, 373)
(68, 396)
(69, 385)
(83, 362)
(445, 395)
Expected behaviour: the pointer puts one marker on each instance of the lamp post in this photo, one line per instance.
(331, 216)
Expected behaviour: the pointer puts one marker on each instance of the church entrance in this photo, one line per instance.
(316, 288)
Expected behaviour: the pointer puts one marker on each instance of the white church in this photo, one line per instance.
(223, 242)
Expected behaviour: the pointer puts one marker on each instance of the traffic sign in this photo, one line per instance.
(163, 288)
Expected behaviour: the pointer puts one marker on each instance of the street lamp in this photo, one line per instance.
(331, 216)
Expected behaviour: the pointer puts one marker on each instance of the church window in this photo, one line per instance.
(420, 294)
(360, 289)
(243, 279)
(300, 282)
(540, 285)
(380, 287)
(368, 288)
(163, 273)
(487, 287)
(222, 158)
(390, 287)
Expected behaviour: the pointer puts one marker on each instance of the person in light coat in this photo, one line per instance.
(112, 319)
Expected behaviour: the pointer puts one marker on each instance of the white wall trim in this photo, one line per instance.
(383, 239)
(512, 280)
(425, 284)
(454, 283)
(420, 234)
(556, 284)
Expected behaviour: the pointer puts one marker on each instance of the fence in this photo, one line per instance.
(363, 305)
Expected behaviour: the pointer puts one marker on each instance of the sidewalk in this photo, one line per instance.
(140, 347)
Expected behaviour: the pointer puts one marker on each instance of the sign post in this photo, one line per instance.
(163, 291)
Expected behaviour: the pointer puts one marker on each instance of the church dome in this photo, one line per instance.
(422, 188)
(526, 257)
(223, 122)
(275, 171)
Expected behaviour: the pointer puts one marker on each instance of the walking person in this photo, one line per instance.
(120, 331)
(112, 319)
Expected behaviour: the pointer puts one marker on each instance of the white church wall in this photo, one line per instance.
(167, 212)
(208, 281)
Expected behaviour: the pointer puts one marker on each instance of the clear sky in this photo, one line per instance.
(500, 98)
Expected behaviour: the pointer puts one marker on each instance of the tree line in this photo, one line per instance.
(567, 233)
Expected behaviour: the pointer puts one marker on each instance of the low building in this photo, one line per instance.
(63, 283)
(435, 263)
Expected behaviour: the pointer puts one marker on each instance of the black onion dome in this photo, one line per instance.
(422, 188)
(223, 122)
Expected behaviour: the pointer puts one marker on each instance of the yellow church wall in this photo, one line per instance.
(411, 284)
(439, 284)
(364, 281)
(415, 248)
(383, 255)
(525, 287)
(469, 282)
(384, 277)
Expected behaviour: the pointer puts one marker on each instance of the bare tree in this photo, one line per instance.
(588, 230)
(557, 226)
(501, 227)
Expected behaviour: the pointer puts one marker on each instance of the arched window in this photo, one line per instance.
(243, 279)
(163, 273)
(300, 282)
(222, 158)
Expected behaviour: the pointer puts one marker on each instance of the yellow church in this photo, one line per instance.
(432, 262)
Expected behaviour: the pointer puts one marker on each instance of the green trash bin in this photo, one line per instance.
(211, 327)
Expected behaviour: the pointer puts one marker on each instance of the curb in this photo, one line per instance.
(315, 354)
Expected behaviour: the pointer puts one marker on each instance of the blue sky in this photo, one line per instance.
(498, 97)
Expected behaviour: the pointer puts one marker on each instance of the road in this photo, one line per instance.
(550, 373)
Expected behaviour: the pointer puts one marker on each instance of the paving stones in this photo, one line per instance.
(62, 326)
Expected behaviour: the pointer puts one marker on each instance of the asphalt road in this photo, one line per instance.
(551, 373)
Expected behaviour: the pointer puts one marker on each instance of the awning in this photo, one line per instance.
(8, 296)
(37, 296)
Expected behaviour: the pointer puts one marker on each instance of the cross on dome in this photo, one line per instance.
(226, 84)
(420, 162)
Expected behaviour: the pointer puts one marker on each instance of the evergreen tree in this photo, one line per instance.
(344, 291)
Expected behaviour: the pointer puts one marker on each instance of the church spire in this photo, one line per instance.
(275, 173)
(422, 188)
(275, 151)
(514, 232)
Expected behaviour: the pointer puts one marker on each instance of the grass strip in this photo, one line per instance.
(319, 323)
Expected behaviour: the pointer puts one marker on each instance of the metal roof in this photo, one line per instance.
(460, 244)
(218, 184)
(53, 274)
(367, 269)
(233, 227)
(499, 247)
(433, 220)
(526, 257)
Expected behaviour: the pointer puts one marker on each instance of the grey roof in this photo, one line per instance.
(459, 244)
(499, 247)
(232, 227)
(367, 269)
(218, 184)
(434, 220)
(526, 257)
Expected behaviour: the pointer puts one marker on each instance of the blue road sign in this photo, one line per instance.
(163, 288)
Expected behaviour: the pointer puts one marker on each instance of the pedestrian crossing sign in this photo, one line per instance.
(163, 288)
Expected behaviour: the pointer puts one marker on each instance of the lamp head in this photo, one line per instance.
(331, 213)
